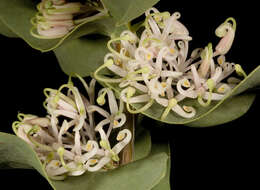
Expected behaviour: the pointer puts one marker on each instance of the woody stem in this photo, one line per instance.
(127, 154)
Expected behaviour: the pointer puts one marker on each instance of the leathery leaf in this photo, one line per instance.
(233, 106)
(16, 152)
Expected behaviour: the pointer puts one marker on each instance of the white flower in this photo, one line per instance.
(156, 67)
(75, 142)
(56, 18)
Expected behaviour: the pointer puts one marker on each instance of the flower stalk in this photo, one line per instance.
(127, 154)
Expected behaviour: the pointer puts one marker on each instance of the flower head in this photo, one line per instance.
(154, 67)
(56, 18)
(69, 140)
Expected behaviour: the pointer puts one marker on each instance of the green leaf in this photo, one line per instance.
(230, 110)
(235, 110)
(143, 143)
(234, 105)
(17, 19)
(84, 55)
(131, 176)
(16, 15)
(127, 10)
(4, 30)
(17, 153)
(165, 182)
(251, 81)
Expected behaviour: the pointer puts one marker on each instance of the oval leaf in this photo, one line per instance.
(230, 110)
(17, 18)
(165, 182)
(84, 55)
(127, 10)
(17, 14)
(251, 81)
(143, 143)
(131, 176)
(234, 102)
(220, 116)
(15, 151)
(4, 30)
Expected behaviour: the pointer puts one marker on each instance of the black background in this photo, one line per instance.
(220, 157)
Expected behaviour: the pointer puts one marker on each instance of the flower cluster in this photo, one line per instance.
(70, 140)
(154, 67)
(56, 18)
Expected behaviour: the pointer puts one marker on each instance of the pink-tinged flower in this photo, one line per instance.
(154, 67)
(56, 18)
(226, 31)
(68, 140)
